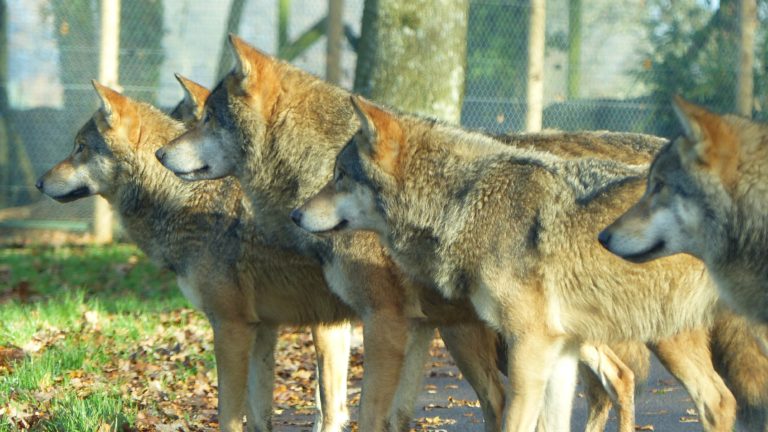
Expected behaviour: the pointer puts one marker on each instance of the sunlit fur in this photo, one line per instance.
(278, 129)
(712, 184)
(514, 230)
(203, 233)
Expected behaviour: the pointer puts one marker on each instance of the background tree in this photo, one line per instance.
(694, 51)
(412, 55)
(497, 42)
(141, 47)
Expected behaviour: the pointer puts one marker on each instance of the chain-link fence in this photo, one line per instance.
(608, 65)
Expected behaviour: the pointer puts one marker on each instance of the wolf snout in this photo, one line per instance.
(604, 238)
(296, 216)
(160, 154)
(39, 184)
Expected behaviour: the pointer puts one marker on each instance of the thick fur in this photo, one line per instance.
(202, 232)
(707, 196)
(736, 355)
(513, 230)
(278, 129)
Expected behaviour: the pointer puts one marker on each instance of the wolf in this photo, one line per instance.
(511, 229)
(277, 129)
(201, 232)
(706, 197)
(736, 355)
(279, 279)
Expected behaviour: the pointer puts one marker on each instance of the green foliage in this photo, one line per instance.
(694, 52)
(497, 48)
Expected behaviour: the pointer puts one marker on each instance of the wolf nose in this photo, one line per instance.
(160, 154)
(604, 238)
(296, 216)
(39, 184)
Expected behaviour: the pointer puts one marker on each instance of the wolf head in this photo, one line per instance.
(212, 148)
(693, 187)
(105, 147)
(366, 168)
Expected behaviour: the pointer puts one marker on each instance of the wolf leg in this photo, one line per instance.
(738, 357)
(261, 379)
(532, 359)
(332, 343)
(473, 347)
(687, 356)
(232, 342)
(385, 336)
(617, 380)
(411, 376)
(558, 402)
(598, 401)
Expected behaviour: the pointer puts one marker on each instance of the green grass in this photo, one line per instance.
(108, 341)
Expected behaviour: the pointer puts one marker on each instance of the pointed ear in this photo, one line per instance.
(118, 113)
(689, 115)
(194, 95)
(240, 49)
(110, 103)
(711, 141)
(367, 128)
(257, 77)
(382, 136)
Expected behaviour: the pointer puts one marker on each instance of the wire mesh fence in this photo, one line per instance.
(608, 65)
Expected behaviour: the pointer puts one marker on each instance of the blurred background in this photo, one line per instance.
(505, 66)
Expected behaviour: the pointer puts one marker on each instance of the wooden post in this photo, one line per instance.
(535, 87)
(745, 83)
(109, 46)
(335, 38)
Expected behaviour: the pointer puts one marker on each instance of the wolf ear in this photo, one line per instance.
(194, 96)
(110, 104)
(382, 136)
(255, 76)
(241, 51)
(118, 113)
(711, 141)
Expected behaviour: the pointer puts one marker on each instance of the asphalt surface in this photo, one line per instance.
(448, 403)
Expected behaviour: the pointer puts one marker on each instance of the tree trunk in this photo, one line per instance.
(412, 55)
(535, 87)
(745, 74)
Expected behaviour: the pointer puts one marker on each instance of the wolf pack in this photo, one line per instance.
(279, 199)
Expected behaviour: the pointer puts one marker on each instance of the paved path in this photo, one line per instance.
(448, 403)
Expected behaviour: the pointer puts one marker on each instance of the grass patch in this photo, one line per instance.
(97, 338)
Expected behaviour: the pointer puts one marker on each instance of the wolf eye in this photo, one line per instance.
(79, 148)
(340, 175)
(657, 186)
(206, 118)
